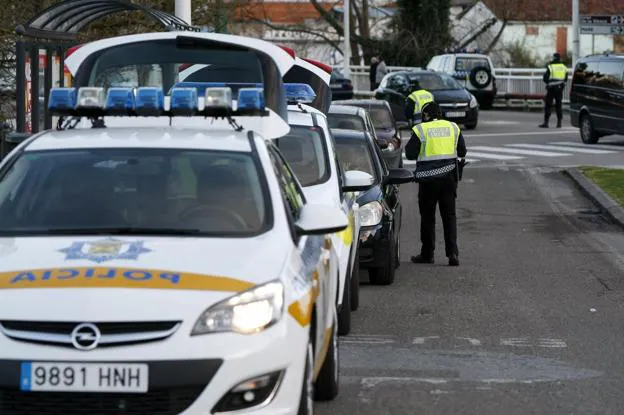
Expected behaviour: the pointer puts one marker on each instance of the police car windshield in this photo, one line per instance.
(304, 150)
(346, 122)
(212, 193)
(354, 153)
(435, 82)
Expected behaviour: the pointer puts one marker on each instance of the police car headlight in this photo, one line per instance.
(249, 312)
(371, 214)
(473, 101)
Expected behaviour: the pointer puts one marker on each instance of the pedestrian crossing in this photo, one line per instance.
(522, 151)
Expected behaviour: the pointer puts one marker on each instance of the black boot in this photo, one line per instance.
(420, 259)
(545, 125)
(453, 260)
(558, 123)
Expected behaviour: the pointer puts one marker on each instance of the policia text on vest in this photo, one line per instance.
(414, 103)
(555, 78)
(436, 145)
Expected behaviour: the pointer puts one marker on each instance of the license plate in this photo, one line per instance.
(455, 114)
(335, 85)
(84, 377)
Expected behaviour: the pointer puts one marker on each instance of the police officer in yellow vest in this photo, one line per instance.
(436, 145)
(414, 103)
(555, 78)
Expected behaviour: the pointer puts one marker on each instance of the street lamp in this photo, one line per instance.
(575, 32)
(183, 10)
(347, 40)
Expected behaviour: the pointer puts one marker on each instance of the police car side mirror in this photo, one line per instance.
(357, 181)
(320, 220)
(399, 176)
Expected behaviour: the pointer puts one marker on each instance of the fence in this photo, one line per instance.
(513, 84)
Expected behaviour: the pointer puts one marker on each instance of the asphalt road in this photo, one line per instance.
(529, 323)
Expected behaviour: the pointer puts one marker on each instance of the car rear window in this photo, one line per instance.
(346, 122)
(468, 64)
(304, 150)
(381, 117)
(354, 153)
(214, 193)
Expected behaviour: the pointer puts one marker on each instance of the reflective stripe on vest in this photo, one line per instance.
(558, 71)
(420, 98)
(438, 140)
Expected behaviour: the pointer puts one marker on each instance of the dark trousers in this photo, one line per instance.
(442, 191)
(553, 93)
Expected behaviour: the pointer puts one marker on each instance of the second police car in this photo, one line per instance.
(174, 266)
(309, 149)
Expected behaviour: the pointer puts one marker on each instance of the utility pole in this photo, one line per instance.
(575, 32)
(347, 40)
(183, 10)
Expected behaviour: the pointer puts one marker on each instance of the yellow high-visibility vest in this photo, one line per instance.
(420, 98)
(558, 71)
(438, 140)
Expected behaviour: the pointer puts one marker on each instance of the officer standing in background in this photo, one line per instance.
(555, 78)
(436, 145)
(415, 102)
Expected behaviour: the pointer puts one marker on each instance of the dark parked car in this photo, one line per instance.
(341, 87)
(456, 102)
(597, 96)
(351, 117)
(380, 206)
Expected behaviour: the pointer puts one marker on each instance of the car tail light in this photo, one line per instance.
(348, 85)
(318, 64)
(288, 50)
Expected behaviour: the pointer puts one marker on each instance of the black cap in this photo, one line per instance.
(556, 56)
(431, 110)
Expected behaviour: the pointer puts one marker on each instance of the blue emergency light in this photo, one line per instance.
(299, 93)
(250, 100)
(183, 101)
(119, 101)
(62, 101)
(149, 101)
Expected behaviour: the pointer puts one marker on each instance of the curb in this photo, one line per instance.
(609, 206)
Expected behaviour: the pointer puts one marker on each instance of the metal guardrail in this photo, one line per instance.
(523, 84)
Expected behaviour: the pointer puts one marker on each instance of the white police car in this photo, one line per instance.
(309, 150)
(164, 269)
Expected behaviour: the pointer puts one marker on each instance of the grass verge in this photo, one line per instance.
(609, 180)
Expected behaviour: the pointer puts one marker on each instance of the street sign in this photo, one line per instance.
(602, 30)
(602, 20)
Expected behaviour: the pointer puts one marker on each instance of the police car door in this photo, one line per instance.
(314, 255)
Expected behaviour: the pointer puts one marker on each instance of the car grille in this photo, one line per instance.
(158, 402)
(454, 105)
(112, 333)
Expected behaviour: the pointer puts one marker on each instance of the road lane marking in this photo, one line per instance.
(473, 342)
(493, 156)
(566, 148)
(518, 151)
(552, 343)
(518, 342)
(413, 162)
(582, 145)
(369, 339)
(563, 131)
(422, 340)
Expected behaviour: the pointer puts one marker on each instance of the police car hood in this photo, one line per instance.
(128, 278)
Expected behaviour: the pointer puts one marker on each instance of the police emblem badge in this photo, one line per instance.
(105, 250)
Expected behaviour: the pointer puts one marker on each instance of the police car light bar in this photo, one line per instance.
(94, 102)
(149, 101)
(299, 93)
(183, 101)
(250, 101)
(119, 101)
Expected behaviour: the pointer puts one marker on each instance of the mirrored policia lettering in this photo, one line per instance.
(89, 273)
(439, 132)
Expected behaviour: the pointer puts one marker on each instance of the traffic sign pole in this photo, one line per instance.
(576, 42)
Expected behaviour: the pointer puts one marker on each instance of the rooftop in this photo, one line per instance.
(541, 11)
